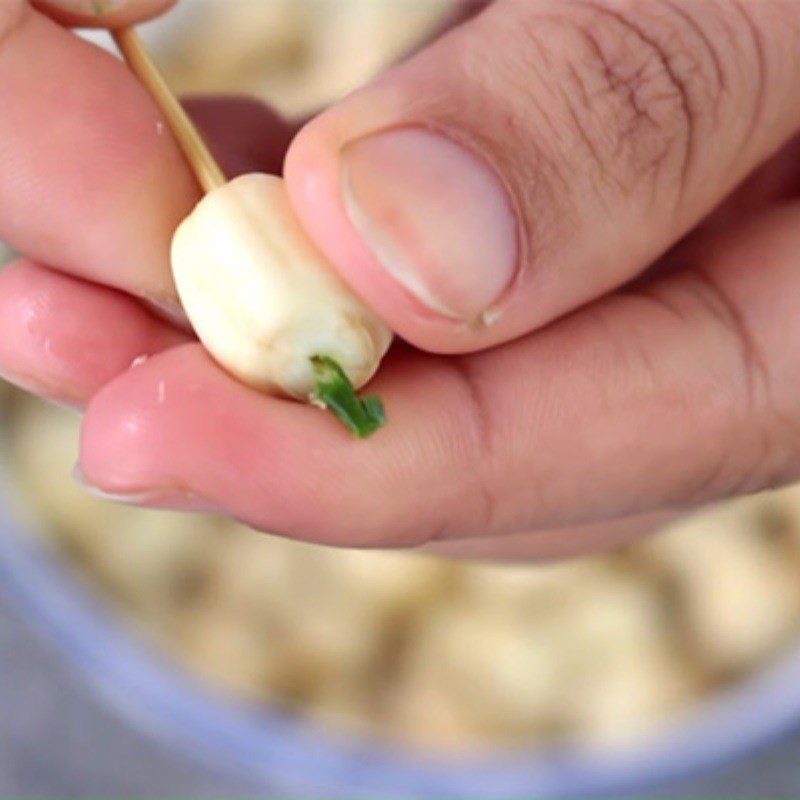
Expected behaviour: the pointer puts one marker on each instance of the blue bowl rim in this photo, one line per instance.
(271, 749)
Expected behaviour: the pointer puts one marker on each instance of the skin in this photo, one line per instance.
(646, 358)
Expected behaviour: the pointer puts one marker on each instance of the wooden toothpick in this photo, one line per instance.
(203, 164)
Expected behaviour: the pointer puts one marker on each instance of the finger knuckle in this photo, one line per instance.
(636, 83)
(481, 501)
(747, 439)
(764, 42)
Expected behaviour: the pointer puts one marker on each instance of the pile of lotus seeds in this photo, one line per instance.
(423, 651)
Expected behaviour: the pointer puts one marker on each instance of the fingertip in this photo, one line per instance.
(115, 449)
(54, 332)
(102, 13)
(420, 225)
(179, 424)
(313, 174)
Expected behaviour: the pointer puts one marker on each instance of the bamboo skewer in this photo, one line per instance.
(333, 388)
(203, 164)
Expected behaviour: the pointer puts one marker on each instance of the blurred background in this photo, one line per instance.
(601, 656)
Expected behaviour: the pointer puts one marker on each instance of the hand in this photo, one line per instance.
(539, 201)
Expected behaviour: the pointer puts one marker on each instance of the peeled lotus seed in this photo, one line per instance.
(261, 297)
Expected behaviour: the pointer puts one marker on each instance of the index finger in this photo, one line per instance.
(91, 181)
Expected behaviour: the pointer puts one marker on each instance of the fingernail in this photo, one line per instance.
(436, 216)
(156, 498)
(95, 7)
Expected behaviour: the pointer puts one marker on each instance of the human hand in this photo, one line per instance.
(551, 163)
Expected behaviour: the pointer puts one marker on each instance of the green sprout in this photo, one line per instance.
(334, 391)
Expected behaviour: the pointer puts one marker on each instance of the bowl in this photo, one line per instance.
(292, 758)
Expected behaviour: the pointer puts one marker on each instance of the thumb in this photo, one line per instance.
(540, 155)
(102, 13)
